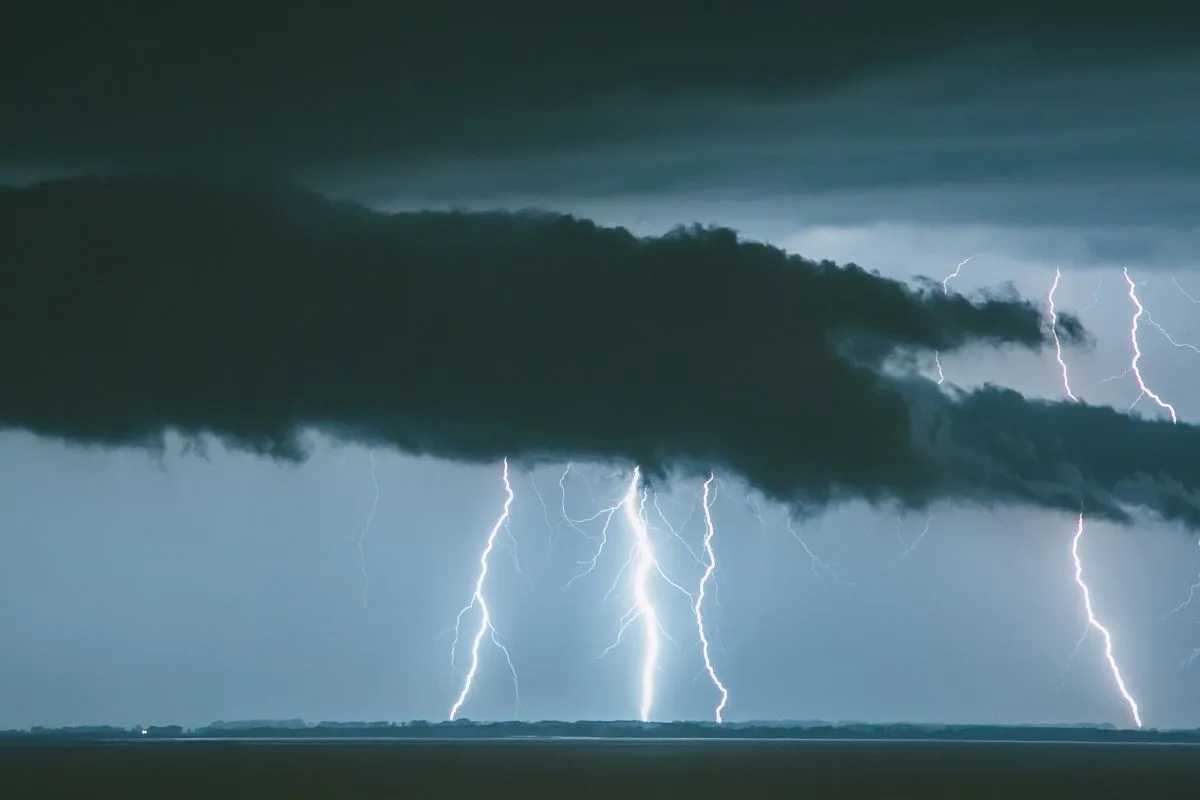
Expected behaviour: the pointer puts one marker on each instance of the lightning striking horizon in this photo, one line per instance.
(485, 617)
(1094, 624)
(697, 608)
(642, 561)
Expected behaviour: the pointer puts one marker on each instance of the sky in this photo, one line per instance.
(268, 577)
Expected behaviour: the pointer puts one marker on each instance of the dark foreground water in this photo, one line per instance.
(613, 769)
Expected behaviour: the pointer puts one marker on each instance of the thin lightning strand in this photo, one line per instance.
(911, 546)
(1138, 312)
(1092, 622)
(1184, 292)
(937, 358)
(709, 567)
(818, 564)
(1095, 297)
(957, 271)
(1171, 339)
(1058, 355)
(485, 617)
(1095, 624)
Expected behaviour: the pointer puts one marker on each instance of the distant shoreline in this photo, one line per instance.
(614, 732)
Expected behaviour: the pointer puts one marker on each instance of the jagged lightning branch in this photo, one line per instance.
(1138, 312)
(1058, 354)
(1092, 622)
(485, 617)
(937, 358)
(641, 562)
(1184, 292)
(710, 563)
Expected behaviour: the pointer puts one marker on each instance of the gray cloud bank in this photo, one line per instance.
(138, 305)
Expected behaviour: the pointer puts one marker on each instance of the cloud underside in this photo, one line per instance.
(135, 306)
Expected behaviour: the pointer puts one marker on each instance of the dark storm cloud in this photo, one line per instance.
(249, 87)
(138, 305)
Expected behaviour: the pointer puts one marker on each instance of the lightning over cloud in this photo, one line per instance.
(479, 602)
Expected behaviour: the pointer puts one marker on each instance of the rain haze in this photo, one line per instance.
(302, 545)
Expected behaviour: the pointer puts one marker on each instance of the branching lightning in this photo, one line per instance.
(1138, 313)
(911, 546)
(641, 563)
(937, 358)
(710, 563)
(485, 618)
(1058, 354)
(1094, 624)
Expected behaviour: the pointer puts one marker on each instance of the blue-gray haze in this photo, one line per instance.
(188, 589)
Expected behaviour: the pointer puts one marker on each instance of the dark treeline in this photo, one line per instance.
(467, 729)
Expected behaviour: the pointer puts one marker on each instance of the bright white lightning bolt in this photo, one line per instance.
(1145, 391)
(1062, 365)
(957, 271)
(710, 564)
(641, 562)
(1094, 623)
(485, 617)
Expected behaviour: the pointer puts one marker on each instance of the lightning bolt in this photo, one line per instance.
(641, 563)
(485, 617)
(1184, 292)
(957, 271)
(1187, 602)
(601, 540)
(937, 358)
(1094, 624)
(710, 565)
(1145, 391)
(911, 546)
(1095, 296)
(1058, 355)
(819, 567)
